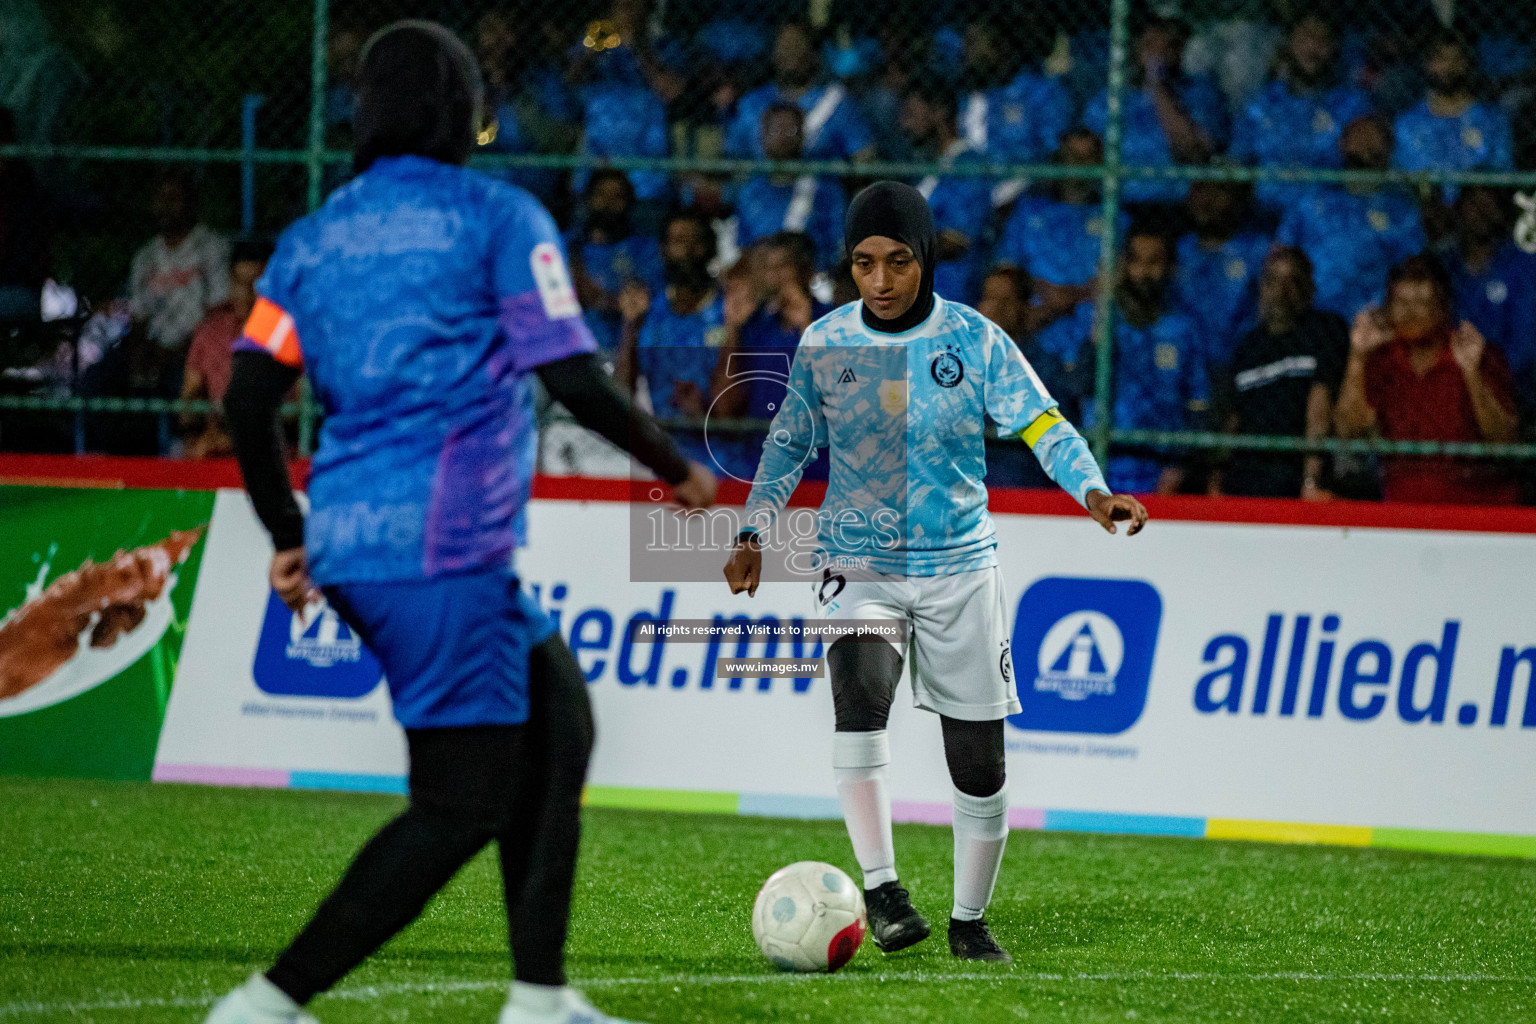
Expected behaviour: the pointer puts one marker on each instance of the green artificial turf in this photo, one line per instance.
(129, 902)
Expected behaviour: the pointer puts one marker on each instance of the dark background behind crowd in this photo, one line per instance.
(1292, 309)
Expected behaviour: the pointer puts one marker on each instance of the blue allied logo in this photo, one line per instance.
(1085, 650)
(312, 653)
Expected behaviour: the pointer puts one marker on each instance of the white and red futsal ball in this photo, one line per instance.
(809, 917)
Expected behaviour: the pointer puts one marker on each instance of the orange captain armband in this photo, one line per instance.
(272, 329)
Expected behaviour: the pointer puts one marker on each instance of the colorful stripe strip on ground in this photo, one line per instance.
(769, 805)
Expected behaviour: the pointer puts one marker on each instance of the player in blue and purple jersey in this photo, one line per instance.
(421, 299)
(897, 388)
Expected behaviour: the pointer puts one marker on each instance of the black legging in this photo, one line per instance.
(864, 676)
(517, 784)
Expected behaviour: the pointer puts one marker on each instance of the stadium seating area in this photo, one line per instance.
(1291, 86)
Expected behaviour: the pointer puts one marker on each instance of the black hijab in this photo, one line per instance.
(896, 211)
(419, 93)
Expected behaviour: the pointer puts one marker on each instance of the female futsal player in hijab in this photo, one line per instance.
(896, 387)
(421, 299)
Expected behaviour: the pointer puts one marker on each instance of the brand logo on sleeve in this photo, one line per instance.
(553, 281)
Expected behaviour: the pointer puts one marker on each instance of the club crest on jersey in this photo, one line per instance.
(946, 370)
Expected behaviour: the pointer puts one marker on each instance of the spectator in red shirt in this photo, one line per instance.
(208, 360)
(1415, 375)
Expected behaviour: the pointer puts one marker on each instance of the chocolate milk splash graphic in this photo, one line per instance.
(89, 610)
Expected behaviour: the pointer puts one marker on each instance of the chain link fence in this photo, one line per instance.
(1185, 213)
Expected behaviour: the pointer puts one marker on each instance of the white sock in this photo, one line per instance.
(267, 997)
(860, 764)
(538, 999)
(981, 832)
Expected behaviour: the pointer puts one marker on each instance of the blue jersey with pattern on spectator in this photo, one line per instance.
(1022, 121)
(1160, 383)
(834, 127)
(419, 299)
(1220, 288)
(1055, 241)
(679, 348)
(624, 120)
(960, 203)
(1278, 128)
(1352, 240)
(1478, 140)
(808, 204)
(611, 266)
(1145, 144)
(1501, 303)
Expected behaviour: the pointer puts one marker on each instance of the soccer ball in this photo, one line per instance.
(809, 917)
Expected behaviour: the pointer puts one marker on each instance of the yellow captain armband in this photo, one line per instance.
(1045, 421)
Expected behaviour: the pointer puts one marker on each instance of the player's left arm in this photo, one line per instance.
(266, 363)
(1019, 403)
(540, 318)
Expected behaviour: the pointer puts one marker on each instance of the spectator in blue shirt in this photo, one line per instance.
(768, 306)
(834, 128)
(529, 109)
(1160, 379)
(1057, 239)
(1170, 117)
(1295, 120)
(672, 339)
(1009, 111)
(1219, 264)
(770, 203)
(1493, 282)
(1005, 300)
(1354, 234)
(624, 88)
(961, 204)
(606, 254)
(1451, 130)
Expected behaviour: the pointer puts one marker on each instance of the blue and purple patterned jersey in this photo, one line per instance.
(419, 298)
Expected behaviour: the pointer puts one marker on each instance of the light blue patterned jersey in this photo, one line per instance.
(901, 416)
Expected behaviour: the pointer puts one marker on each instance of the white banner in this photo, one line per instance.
(1365, 677)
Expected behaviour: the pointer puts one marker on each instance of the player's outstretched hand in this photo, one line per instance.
(698, 490)
(1108, 509)
(745, 569)
(290, 578)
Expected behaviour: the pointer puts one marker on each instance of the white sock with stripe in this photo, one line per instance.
(861, 766)
(981, 833)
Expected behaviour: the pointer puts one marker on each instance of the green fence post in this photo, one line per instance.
(1104, 322)
(316, 161)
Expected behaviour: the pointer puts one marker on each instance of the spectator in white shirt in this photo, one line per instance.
(180, 273)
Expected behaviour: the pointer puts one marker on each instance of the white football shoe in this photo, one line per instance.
(544, 1004)
(258, 1001)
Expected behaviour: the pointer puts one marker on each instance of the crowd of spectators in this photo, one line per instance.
(1293, 309)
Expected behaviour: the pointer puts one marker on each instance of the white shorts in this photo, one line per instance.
(958, 642)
